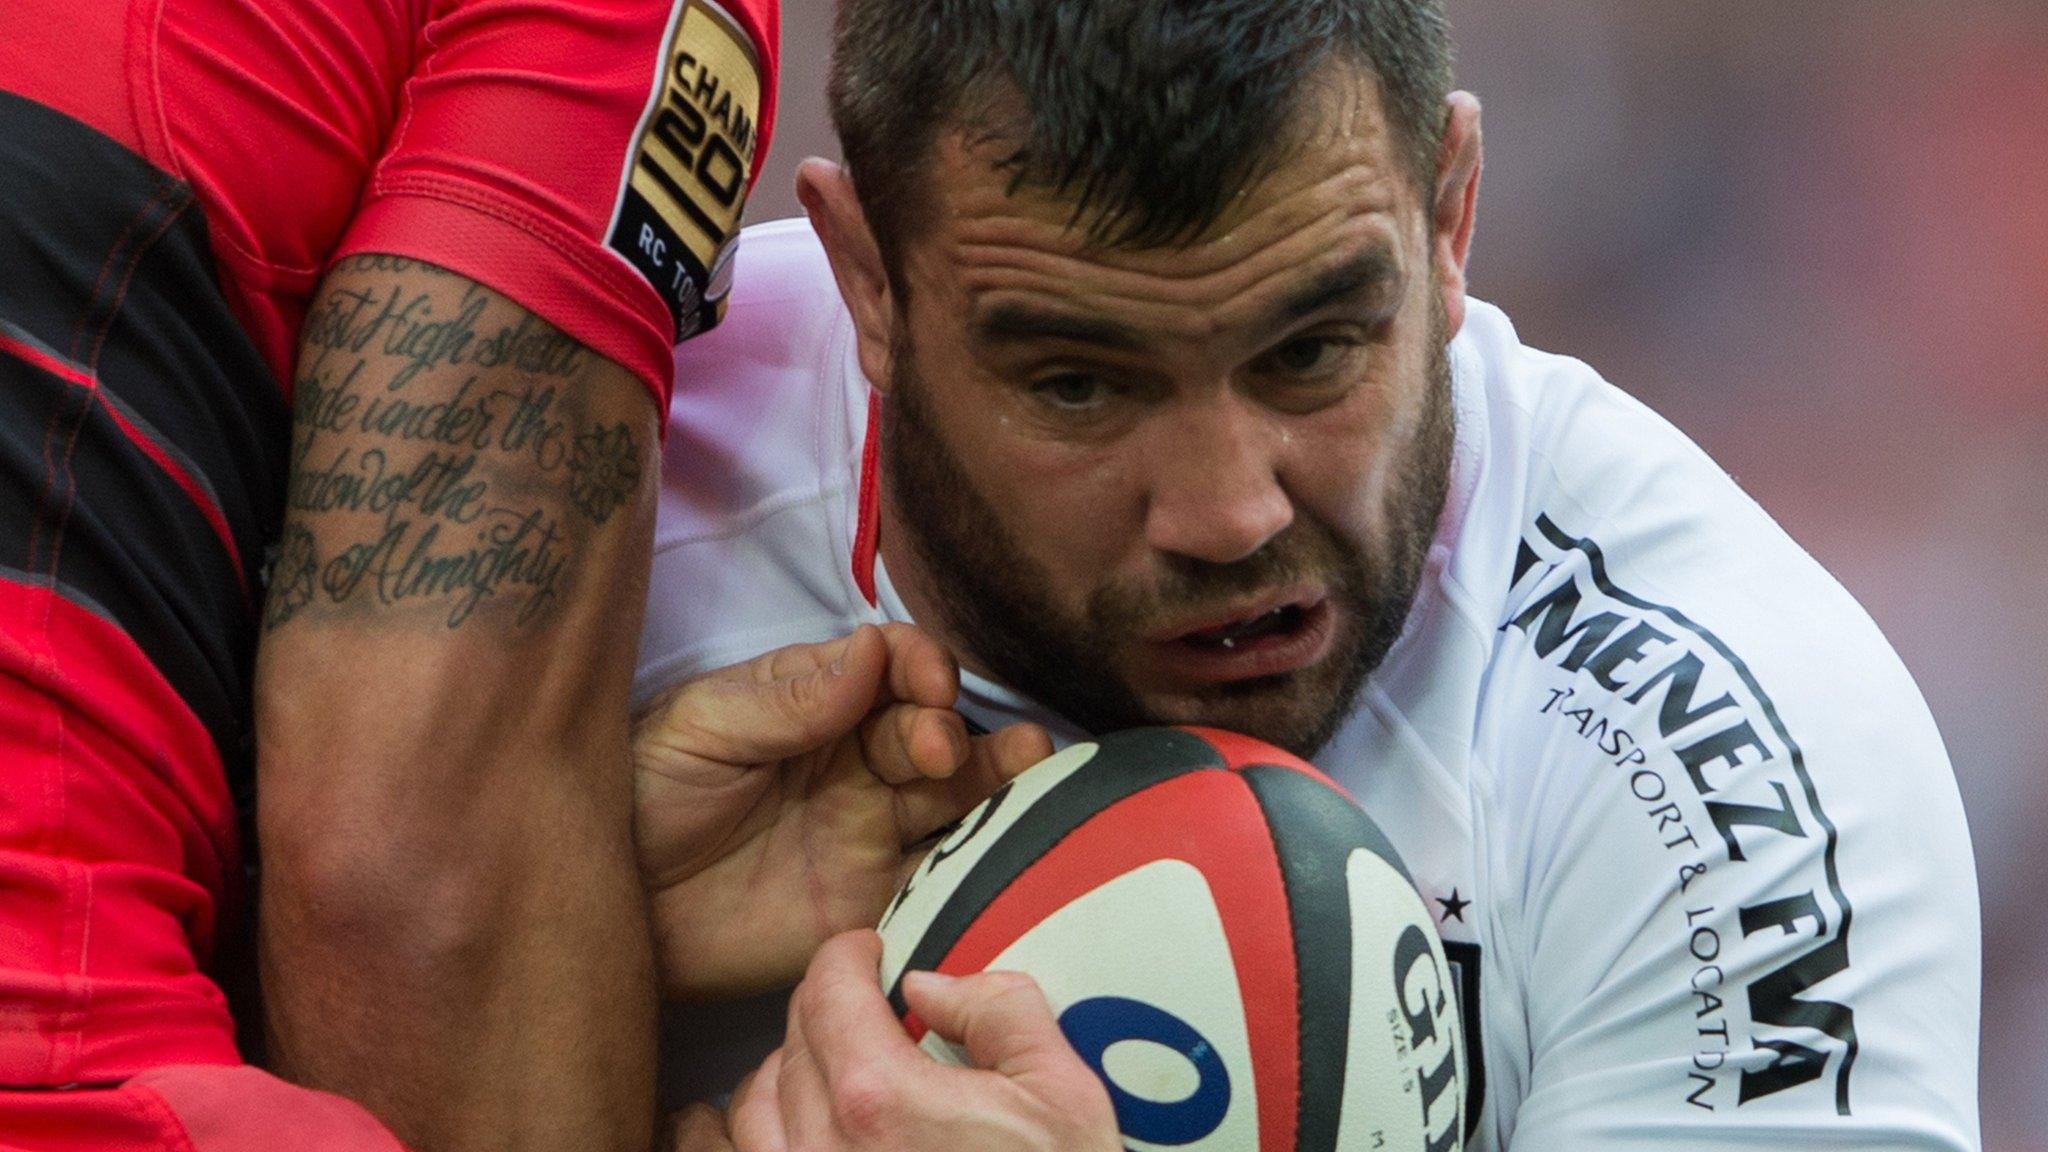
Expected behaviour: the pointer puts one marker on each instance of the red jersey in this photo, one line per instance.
(586, 158)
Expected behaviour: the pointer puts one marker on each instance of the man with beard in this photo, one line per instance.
(1151, 388)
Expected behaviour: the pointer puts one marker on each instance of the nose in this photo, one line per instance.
(1215, 493)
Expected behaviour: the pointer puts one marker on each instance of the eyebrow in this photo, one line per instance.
(1018, 324)
(1370, 274)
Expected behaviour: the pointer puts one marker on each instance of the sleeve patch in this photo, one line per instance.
(685, 178)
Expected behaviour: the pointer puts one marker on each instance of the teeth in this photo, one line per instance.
(1230, 637)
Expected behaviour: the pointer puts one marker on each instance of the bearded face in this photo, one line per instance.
(1192, 482)
(1307, 616)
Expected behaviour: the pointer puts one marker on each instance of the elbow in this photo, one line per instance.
(385, 856)
(380, 878)
(380, 897)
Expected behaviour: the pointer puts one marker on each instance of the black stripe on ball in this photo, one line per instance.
(1315, 830)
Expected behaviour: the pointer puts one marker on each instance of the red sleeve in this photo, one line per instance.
(587, 158)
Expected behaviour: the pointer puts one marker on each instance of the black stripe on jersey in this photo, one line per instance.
(83, 508)
(143, 440)
(70, 595)
(1833, 1019)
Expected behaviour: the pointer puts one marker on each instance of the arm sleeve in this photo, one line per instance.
(1747, 906)
(587, 158)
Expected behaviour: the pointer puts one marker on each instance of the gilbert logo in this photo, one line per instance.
(685, 177)
(1432, 1036)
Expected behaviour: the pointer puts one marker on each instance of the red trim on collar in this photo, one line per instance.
(867, 534)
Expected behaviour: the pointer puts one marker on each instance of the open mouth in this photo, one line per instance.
(1267, 642)
(1281, 621)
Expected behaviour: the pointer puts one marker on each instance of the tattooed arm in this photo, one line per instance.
(452, 928)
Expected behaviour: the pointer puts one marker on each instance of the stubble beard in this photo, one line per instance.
(995, 600)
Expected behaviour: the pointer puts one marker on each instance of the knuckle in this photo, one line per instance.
(867, 1107)
(798, 699)
(1012, 989)
(810, 998)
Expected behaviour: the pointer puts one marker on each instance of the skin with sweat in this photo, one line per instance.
(1190, 483)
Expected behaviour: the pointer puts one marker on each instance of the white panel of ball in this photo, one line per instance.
(1404, 1073)
(936, 878)
(1153, 936)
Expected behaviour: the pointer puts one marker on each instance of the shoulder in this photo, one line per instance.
(783, 294)
(760, 471)
(758, 397)
(1609, 554)
(1627, 566)
(1703, 759)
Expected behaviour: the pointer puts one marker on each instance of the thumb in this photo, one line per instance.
(1000, 1018)
(781, 704)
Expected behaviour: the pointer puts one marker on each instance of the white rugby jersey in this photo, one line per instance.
(1691, 836)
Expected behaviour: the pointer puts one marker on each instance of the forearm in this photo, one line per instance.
(453, 930)
(476, 972)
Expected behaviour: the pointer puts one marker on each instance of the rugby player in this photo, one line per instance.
(372, 303)
(1130, 355)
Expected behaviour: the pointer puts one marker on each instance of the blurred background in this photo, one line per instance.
(1815, 236)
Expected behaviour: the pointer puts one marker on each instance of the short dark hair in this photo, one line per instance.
(1151, 114)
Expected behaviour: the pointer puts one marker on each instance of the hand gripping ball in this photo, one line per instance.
(1227, 940)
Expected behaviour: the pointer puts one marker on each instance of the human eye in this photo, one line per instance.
(1309, 357)
(1072, 392)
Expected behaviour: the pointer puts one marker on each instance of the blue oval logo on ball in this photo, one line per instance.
(1093, 1026)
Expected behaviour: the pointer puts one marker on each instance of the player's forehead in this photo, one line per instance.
(1335, 195)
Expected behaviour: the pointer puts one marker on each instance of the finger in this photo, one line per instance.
(699, 1128)
(906, 742)
(755, 1120)
(846, 1023)
(1011, 750)
(1001, 1018)
(781, 704)
(803, 1099)
(921, 670)
(925, 807)
(863, 645)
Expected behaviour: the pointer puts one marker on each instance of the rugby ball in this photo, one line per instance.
(1226, 938)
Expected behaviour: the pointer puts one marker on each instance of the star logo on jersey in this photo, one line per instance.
(1454, 908)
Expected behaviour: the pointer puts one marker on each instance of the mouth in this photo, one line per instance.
(1248, 630)
(1270, 638)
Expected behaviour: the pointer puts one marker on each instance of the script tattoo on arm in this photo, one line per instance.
(453, 929)
(417, 487)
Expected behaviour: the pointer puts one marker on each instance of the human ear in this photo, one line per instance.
(1455, 210)
(826, 191)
